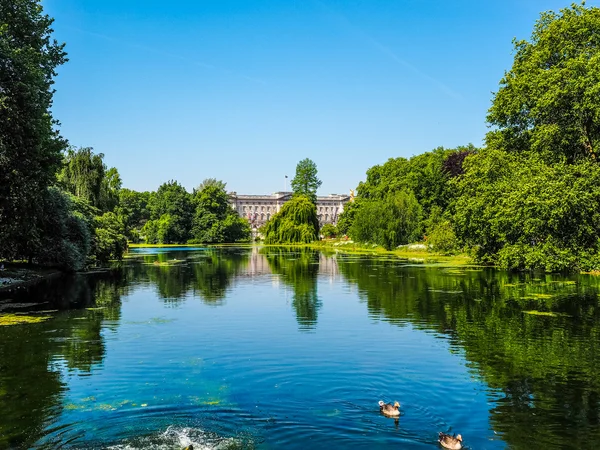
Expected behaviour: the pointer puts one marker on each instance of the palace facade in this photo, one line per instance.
(258, 209)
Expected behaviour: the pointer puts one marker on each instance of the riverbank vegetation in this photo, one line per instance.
(527, 199)
(61, 206)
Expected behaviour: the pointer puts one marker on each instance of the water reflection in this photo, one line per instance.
(536, 340)
(298, 269)
(532, 339)
(32, 356)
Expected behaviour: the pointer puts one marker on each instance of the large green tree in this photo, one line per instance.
(390, 222)
(548, 101)
(214, 220)
(30, 146)
(133, 211)
(295, 223)
(171, 211)
(519, 211)
(426, 175)
(83, 174)
(306, 181)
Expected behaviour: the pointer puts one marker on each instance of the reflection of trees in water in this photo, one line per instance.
(298, 269)
(545, 366)
(30, 382)
(208, 273)
(214, 273)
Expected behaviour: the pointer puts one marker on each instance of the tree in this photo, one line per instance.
(394, 221)
(306, 182)
(346, 218)
(214, 219)
(521, 212)
(211, 182)
(109, 191)
(295, 223)
(171, 206)
(133, 211)
(426, 175)
(30, 146)
(548, 101)
(83, 174)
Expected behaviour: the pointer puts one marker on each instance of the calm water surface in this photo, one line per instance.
(273, 348)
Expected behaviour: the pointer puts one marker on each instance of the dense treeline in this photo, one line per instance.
(62, 206)
(530, 199)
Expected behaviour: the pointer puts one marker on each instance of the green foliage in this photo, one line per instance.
(110, 190)
(65, 239)
(426, 175)
(214, 219)
(441, 238)
(30, 146)
(295, 223)
(346, 218)
(211, 182)
(110, 241)
(171, 211)
(390, 222)
(306, 181)
(133, 211)
(329, 231)
(521, 212)
(83, 174)
(298, 269)
(548, 101)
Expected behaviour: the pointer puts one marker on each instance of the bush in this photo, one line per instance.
(394, 221)
(329, 231)
(441, 238)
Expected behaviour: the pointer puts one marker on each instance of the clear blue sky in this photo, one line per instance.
(241, 90)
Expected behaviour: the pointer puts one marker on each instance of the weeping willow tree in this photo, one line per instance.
(296, 223)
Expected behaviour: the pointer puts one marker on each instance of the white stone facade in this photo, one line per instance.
(258, 209)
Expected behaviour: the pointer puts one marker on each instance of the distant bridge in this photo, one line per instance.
(258, 209)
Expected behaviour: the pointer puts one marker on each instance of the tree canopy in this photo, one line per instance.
(295, 223)
(548, 101)
(306, 181)
(30, 146)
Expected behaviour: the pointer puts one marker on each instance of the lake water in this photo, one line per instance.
(274, 348)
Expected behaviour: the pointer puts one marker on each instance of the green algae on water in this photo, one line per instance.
(533, 312)
(18, 319)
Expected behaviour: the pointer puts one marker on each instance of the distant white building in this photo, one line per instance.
(258, 209)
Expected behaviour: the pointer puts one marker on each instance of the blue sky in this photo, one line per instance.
(241, 90)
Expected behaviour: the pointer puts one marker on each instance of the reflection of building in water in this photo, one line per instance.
(328, 265)
(259, 265)
(258, 209)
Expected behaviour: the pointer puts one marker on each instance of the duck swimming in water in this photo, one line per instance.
(388, 409)
(451, 442)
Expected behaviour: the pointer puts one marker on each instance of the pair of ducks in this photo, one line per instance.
(447, 441)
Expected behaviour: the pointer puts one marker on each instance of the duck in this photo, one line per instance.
(189, 447)
(388, 409)
(451, 442)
